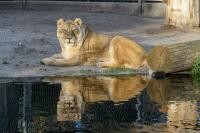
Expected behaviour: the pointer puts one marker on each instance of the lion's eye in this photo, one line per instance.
(62, 31)
(75, 31)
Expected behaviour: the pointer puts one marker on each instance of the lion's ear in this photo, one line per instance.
(78, 21)
(60, 22)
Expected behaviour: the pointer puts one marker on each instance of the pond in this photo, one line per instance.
(134, 104)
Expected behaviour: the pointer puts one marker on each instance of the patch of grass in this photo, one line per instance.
(109, 71)
(85, 71)
(196, 72)
(119, 71)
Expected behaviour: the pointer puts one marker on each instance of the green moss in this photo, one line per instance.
(85, 71)
(119, 71)
(109, 71)
(196, 72)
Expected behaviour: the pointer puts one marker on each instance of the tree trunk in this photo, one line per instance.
(183, 13)
(174, 57)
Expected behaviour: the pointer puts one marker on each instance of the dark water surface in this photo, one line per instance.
(100, 104)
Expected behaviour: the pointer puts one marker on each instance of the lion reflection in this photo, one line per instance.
(70, 102)
(76, 92)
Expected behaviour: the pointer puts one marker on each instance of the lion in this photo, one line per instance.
(81, 46)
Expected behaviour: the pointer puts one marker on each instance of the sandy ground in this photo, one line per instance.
(28, 36)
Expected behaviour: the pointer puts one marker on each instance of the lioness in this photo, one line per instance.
(81, 46)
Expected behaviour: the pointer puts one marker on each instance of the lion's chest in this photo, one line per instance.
(69, 53)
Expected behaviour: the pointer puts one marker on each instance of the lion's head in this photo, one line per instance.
(70, 104)
(69, 108)
(70, 33)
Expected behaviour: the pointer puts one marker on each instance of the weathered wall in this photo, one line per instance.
(183, 13)
(148, 9)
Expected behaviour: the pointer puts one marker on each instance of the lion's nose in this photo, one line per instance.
(69, 103)
(69, 38)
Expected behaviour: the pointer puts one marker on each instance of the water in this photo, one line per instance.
(100, 104)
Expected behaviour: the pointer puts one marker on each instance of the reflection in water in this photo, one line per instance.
(76, 92)
(182, 115)
(178, 98)
(100, 104)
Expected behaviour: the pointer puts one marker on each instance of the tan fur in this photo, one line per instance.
(89, 48)
(166, 1)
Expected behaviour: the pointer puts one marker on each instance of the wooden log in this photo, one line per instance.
(173, 57)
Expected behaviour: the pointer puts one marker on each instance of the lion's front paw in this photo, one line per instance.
(106, 64)
(57, 56)
(45, 61)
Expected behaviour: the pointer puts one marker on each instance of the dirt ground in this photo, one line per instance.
(28, 36)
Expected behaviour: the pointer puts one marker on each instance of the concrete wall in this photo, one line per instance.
(154, 9)
(148, 9)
